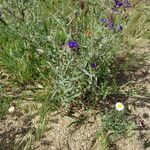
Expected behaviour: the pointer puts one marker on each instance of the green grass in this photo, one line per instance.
(66, 75)
(29, 24)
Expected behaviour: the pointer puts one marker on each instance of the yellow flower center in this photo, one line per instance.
(120, 106)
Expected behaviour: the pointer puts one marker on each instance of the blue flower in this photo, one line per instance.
(93, 65)
(73, 44)
(110, 24)
(120, 28)
(118, 3)
(104, 20)
(126, 3)
(107, 22)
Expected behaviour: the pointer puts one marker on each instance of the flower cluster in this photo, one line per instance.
(115, 10)
(108, 22)
(111, 25)
(124, 4)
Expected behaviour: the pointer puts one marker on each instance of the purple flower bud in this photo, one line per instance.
(120, 28)
(110, 24)
(118, 3)
(104, 20)
(73, 44)
(126, 3)
(93, 65)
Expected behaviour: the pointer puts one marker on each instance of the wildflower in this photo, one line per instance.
(119, 106)
(107, 22)
(118, 3)
(120, 28)
(110, 24)
(93, 65)
(126, 3)
(73, 44)
(11, 109)
(88, 33)
(104, 20)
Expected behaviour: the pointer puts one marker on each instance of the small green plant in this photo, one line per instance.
(117, 122)
(4, 105)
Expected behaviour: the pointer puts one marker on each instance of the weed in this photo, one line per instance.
(117, 123)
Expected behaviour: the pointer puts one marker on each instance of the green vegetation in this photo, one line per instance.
(34, 49)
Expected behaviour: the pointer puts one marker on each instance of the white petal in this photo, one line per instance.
(11, 109)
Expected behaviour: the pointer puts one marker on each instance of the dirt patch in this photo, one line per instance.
(60, 136)
(58, 133)
(139, 101)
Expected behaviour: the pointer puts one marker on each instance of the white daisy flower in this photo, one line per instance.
(119, 106)
(11, 109)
